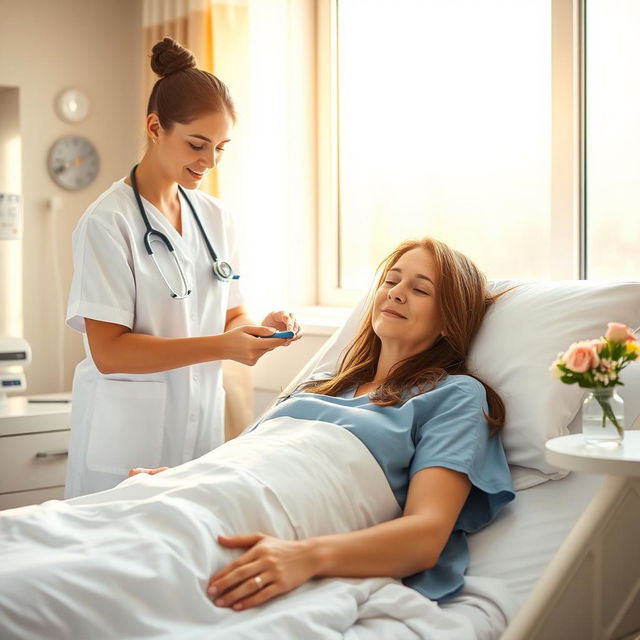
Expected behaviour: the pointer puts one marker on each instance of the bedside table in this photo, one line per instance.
(34, 440)
(591, 587)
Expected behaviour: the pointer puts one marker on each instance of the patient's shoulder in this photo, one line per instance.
(453, 391)
(462, 383)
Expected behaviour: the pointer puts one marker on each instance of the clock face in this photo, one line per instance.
(73, 162)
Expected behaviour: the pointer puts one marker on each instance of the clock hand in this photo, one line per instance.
(71, 163)
(79, 160)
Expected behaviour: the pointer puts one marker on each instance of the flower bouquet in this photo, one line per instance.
(596, 365)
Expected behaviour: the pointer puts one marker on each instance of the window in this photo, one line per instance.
(455, 119)
(613, 139)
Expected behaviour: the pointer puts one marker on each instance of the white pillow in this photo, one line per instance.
(520, 337)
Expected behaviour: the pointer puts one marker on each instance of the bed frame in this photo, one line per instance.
(591, 588)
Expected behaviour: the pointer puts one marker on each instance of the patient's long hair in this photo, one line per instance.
(463, 299)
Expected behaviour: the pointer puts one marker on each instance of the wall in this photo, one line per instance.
(45, 47)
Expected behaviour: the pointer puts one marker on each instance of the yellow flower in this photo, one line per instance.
(632, 347)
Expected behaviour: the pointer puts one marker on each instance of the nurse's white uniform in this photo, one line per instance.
(122, 420)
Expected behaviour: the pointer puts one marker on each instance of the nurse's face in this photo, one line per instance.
(188, 151)
(406, 315)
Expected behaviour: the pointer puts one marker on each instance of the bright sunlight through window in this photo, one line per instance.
(445, 130)
(613, 139)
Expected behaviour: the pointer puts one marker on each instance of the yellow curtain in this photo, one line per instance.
(216, 32)
(190, 23)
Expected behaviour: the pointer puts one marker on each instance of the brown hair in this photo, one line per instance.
(183, 92)
(463, 299)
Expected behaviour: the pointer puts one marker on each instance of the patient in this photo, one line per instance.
(403, 389)
(378, 469)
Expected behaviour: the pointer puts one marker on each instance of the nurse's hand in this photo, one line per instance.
(283, 321)
(268, 568)
(151, 472)
(243, 345)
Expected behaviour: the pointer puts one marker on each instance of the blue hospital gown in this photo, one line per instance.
(444, 427)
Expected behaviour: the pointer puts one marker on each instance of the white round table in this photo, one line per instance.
(573, 453)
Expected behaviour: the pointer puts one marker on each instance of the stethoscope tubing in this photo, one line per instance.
(221, 270)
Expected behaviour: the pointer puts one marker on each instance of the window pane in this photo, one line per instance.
(445, 130)
(613, 139)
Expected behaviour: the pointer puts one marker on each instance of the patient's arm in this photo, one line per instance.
(403, 546)
(397, 548)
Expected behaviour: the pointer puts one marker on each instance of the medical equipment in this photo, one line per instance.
(10, 214)
(15, 353)
(221, 270)
(287, 335)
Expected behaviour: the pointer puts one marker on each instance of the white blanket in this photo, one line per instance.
(134, 561)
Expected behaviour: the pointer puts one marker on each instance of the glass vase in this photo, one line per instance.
(603, 416)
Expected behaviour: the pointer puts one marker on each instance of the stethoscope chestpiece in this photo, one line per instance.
(223, 271)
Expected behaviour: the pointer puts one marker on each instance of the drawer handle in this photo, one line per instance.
(63, 453)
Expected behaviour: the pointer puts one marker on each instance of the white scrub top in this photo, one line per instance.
(123, 420)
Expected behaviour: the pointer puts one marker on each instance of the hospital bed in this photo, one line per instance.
(549, 548)
(522, 582)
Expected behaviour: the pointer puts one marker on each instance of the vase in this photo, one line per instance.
(603, 416)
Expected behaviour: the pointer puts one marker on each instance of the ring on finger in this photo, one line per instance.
(259, 581)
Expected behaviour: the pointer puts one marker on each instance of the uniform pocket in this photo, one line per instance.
(127, 425)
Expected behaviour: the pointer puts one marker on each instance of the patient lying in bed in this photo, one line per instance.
(379, 469)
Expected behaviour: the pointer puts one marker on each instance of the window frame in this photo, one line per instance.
(568, 201)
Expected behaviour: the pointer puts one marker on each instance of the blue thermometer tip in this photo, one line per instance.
(287, 335)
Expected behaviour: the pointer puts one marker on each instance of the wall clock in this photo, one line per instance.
(73, 162)
(72, 105)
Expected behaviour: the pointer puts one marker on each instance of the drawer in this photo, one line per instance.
(24, 498)
(22, 468)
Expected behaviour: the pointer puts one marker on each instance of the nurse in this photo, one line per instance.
(155, 293)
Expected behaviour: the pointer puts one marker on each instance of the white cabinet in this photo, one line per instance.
(34, 441)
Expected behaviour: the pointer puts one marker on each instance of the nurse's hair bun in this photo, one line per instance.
(168, 56)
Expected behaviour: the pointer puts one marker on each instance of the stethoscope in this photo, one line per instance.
(221, 270)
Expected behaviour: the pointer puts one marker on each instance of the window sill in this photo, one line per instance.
(321, 321)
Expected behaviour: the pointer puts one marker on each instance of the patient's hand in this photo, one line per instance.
(269, 568)
(151, 472)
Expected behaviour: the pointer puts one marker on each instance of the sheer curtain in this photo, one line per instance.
(216, 32)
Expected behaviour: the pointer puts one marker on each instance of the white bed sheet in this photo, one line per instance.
(134, 561)
(518, 546)
(507, 558)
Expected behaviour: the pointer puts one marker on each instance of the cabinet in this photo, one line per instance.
(34, 441)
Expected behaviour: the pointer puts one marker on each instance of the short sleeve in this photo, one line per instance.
(456, 436)
(103, 284)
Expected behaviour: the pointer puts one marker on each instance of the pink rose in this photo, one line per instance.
(618, 332)
(581, 356)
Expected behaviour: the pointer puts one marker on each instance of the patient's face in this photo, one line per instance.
(406, 316)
